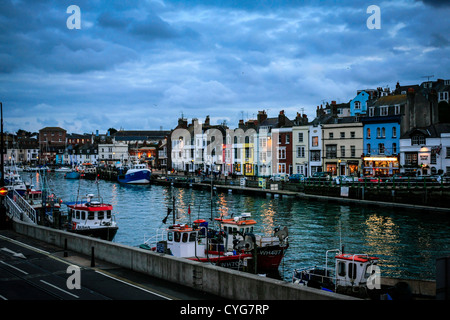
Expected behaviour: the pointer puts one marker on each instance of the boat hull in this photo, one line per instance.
(72, 175)
(136, 177)
(269, 258)
(107, 233)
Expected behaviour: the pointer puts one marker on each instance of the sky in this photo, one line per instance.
(141, 65)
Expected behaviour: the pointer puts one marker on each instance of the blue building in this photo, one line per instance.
(358, 105)
(381, 145)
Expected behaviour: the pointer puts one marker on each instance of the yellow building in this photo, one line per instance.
(342, 147)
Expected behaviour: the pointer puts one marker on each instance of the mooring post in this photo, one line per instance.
(65, 248)
(92, 258)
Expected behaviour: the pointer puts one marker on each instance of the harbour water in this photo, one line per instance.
(407, 243)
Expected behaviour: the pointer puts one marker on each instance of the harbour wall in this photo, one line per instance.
(226, 283)
(407, 197)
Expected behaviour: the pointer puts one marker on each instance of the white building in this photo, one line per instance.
(426, 151)
(113, 153)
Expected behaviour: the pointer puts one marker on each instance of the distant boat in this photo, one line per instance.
(72, 175)
(138, 174)
(63, 169)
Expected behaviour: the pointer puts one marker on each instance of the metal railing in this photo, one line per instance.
(18, 207)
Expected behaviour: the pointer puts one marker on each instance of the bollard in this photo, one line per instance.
(65, 248)
(92, 258)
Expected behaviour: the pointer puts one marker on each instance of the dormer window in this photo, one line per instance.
(418, 139)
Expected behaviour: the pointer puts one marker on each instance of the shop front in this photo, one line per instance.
(381, 166)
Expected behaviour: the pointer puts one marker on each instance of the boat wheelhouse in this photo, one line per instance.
(92, 217)
(353, 274)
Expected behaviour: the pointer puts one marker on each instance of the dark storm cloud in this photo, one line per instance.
(140, 64)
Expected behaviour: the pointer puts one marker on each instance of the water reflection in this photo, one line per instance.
(407, 243)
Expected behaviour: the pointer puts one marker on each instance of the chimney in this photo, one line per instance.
(206, 121)
(281, 119)
(182, 123)
(262, 115)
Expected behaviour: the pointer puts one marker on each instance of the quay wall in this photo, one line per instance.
(226, 283)
(413, 197)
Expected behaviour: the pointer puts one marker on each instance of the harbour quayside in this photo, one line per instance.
(231, 245)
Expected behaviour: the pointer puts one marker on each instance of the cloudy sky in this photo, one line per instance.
(140, 65)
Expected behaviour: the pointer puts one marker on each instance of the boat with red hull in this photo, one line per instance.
(231, 245)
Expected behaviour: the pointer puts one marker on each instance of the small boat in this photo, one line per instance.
(73, 174)
(63, 169)
(356, 275)
(139, 173)
(13, 181)
(92, 217)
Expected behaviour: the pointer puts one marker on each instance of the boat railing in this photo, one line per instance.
(320, 274)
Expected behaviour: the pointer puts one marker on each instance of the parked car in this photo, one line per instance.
(322, 175)
(345, 179)
(296, 177)
(278, 177)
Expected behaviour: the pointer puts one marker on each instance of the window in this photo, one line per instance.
(341, 269)
(368, 133)
(342, 151)
(411, 158)
(342, 135)
(282, 153)
(357, 105)
(282, 168)
(397, 109)
(394, 132)
(331, 151)
(384, 111)
(315, 155)
(352, 134)
(383, 132)
(315, 141)
(381, 148)
(288, 138)
(352, 270)
(378, 133)
(368, 148)
(443, 96)
(394, 148)
(371, 111)
(300, 152)
(352, 151)
(330, 135)
(418, 139)
(300, 137)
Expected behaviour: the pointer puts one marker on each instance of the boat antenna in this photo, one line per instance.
(340, 235)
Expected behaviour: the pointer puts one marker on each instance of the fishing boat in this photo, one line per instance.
(92, 217)
(139, 173)
(270, 250)
(355, 275)
(231, 245)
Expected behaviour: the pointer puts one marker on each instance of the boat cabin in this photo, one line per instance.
(236, 228)
(184, 241)
(353, 269)
(90, 213)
